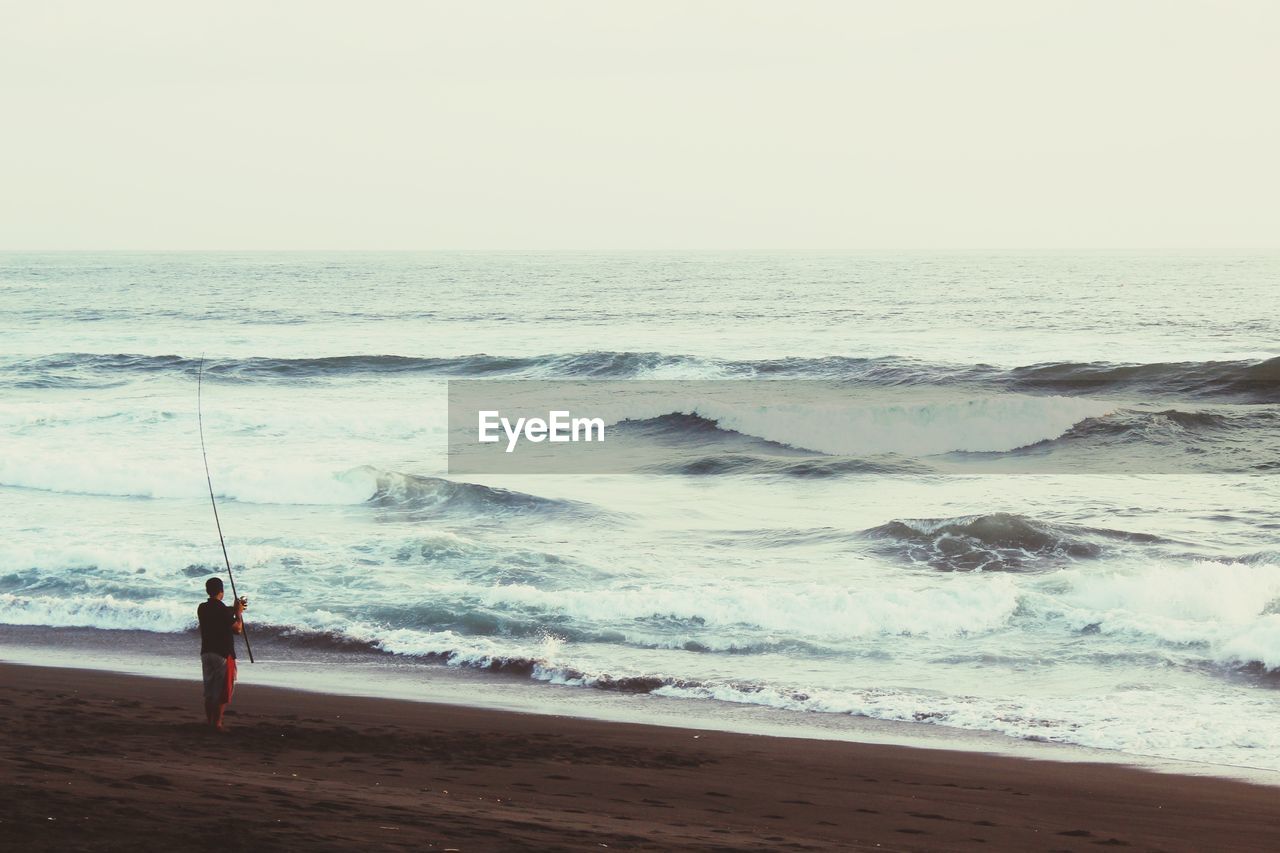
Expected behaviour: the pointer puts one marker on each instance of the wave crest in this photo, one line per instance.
(436, 495)
(996, 542)
(1249, 381)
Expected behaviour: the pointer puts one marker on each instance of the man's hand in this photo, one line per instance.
(237, 623)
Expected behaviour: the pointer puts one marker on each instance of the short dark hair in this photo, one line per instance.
(213, 586)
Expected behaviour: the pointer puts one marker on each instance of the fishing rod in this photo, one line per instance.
(244, 629)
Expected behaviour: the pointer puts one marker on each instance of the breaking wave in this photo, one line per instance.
(1171, 426)
(1254, 381)
(1173, 440)
(861, 429)
(1241, 381)
(292, 483)
(997, 542)
(412, 492)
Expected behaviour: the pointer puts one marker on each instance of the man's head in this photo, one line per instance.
(213, 586)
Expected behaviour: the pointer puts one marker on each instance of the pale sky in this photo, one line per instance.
(786, 125)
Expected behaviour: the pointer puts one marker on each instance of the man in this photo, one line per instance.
(217, 650)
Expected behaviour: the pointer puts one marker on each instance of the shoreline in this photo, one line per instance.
(98, 760)
(380, 675)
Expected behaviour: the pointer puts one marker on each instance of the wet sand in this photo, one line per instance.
(101, 761)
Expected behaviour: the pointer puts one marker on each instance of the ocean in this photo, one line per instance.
(1063, 527)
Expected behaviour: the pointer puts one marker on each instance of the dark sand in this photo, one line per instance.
(100, 761)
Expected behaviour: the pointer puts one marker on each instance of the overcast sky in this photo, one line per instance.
(645, 125)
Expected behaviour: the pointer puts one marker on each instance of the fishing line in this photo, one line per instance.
(208, 479)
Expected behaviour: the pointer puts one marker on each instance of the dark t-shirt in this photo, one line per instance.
(216, 620)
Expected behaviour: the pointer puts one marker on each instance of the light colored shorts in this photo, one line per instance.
(219, 677)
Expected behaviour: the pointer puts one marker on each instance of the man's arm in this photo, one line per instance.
(237, 618)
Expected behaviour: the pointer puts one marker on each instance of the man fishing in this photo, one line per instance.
(218, 623)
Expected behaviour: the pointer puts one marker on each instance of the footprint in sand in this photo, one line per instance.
(152, 780)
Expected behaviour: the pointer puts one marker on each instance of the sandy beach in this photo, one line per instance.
(100, 761)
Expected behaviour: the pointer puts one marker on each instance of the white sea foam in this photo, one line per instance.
(1141, 721)
(1257, 641)
(811, 610)
(104, 611)
(1230, 608)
